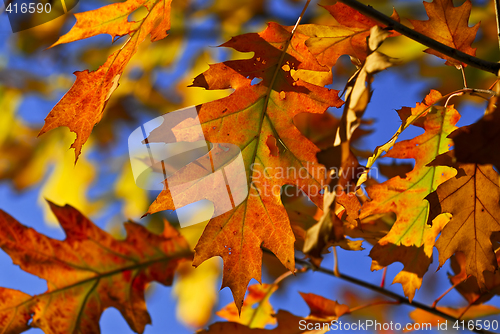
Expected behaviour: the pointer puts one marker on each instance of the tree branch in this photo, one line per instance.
(390, 294)
(422, 39)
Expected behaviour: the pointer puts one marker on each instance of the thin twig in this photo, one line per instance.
(447, 291)
(382, 283)
(422, 39)
(452, 96)
(270, 290)
(469, 306)
(300, 17)
(493, 84)
(395, 296)
(380, 302)
(497, 14)
(385, 147)
(335, 262)
(463, 76)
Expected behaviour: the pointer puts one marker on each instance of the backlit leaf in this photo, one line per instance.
(479, 142)
(86, 273)
(410, 240)
(472, 197)
(324, 309)
(256, 311)
(449, 25)
(467, 285)
(256, 118)
(81, 108)
(196, 292)
(346, 37)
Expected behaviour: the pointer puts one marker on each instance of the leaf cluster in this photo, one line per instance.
(278, 106)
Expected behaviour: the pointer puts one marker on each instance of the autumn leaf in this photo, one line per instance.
(467, 285)
(81, 108)
(322, 312)
(287, 324)
(408, 117)
(324, 309)
(371, 230)
(258, 118)
(66, 182)
(13, 318)
(135, 200)
(329, 230)
(449, 25)
(86, 273)
(395, 169)
(410, 240)
(318, 128)
(358, 88)
(28, 162)
(479, 142)
(472, 198)
(256, 311)
(346, 37)
(196, 290)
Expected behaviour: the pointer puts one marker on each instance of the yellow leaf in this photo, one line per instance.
(135, 199)
(67, 182)
(256, 312)
(196, 292)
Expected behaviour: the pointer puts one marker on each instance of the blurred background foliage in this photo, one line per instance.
(33, 78)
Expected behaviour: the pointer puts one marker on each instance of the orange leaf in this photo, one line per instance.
(410, 240)
(472, 197)
(86, 273)
(14, 317)
(449, 25)
(346, 37)
(323, 309)
(81, 108)
(248, 118)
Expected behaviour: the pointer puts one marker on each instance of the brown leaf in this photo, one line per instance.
(449, 25)
(395, 169)
(472, 198)
(480, 142)
(468, 287)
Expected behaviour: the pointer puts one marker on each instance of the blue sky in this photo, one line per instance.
(161, 303)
